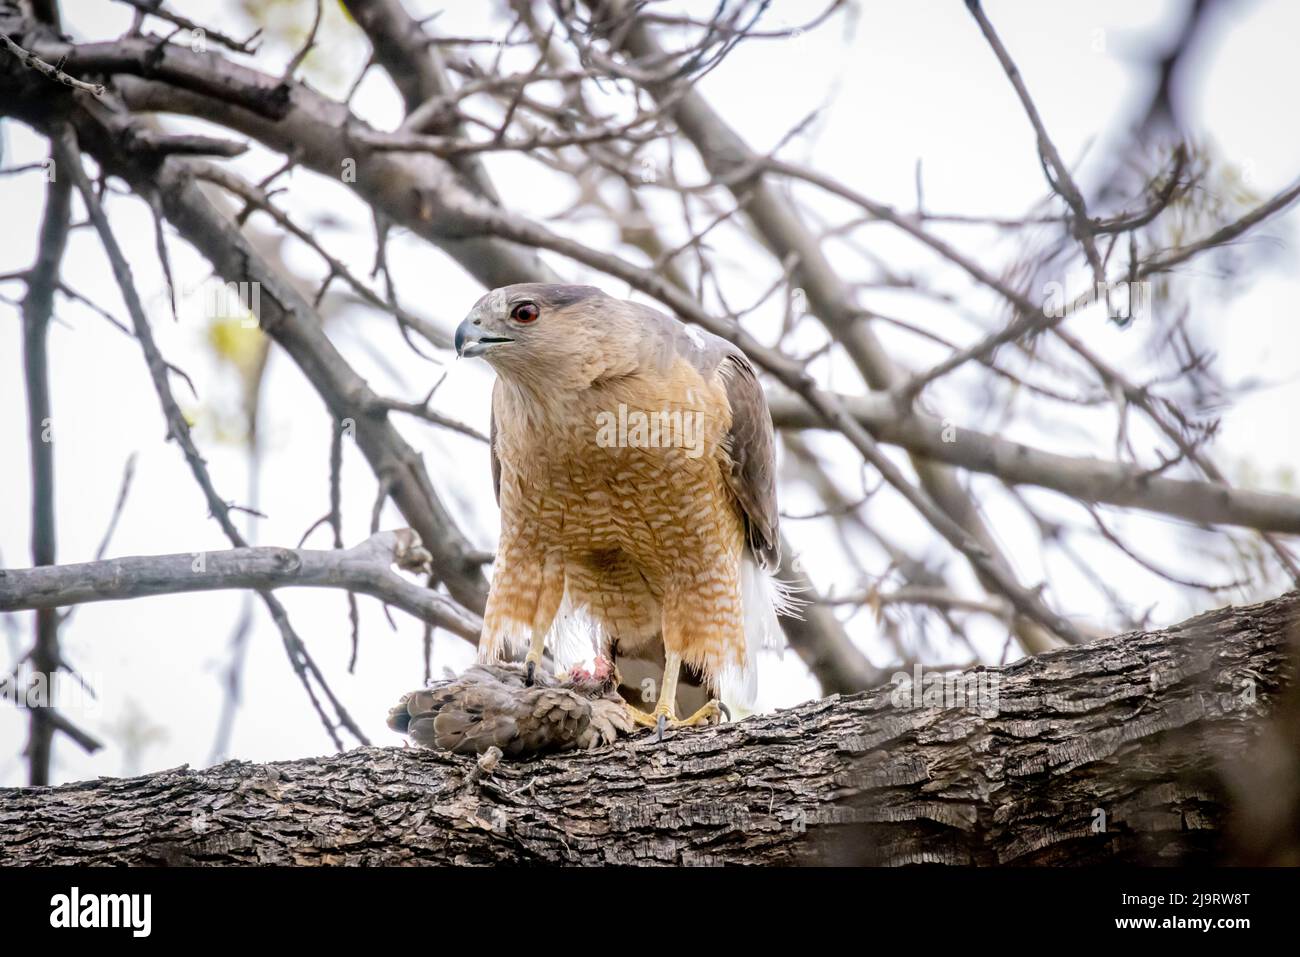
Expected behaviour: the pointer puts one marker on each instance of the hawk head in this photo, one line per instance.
(542, 330)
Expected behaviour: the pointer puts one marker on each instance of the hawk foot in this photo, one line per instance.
(663, 717)
(639, 718)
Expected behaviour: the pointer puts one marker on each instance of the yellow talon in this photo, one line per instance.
(640, 717)
(709, 714)
(663, 717)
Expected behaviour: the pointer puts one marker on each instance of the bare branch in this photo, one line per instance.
(1087, 479)
(69, 158)
(154, 8)
(1059, 177)
(732, 162)
(364, 568)
(38, 307)
(50, 715)
(55, 73)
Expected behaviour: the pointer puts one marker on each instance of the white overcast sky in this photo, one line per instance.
(908, 81)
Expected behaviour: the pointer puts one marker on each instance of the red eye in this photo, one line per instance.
(525, 312)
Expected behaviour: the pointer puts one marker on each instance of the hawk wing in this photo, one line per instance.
(751, 447)
(752, 451)
(491, 705)
(492, 443)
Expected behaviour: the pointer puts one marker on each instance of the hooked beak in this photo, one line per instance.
(471, 342)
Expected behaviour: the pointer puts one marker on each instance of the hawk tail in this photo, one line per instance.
(763, 598)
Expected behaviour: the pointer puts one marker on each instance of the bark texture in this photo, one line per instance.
(1110, 752)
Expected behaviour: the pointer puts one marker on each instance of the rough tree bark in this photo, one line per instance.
(1111, 752)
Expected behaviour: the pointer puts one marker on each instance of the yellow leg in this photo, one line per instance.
(665, 712)
(549, 597)
(666, 707)
(535, 649)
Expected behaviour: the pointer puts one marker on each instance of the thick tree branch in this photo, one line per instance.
(1108, 753)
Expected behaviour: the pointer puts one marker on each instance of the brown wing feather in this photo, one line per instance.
(752, 453)
(492, 448)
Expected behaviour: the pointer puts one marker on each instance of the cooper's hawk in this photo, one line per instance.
(633, 461)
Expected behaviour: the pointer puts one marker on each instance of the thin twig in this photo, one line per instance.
(49, 70)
